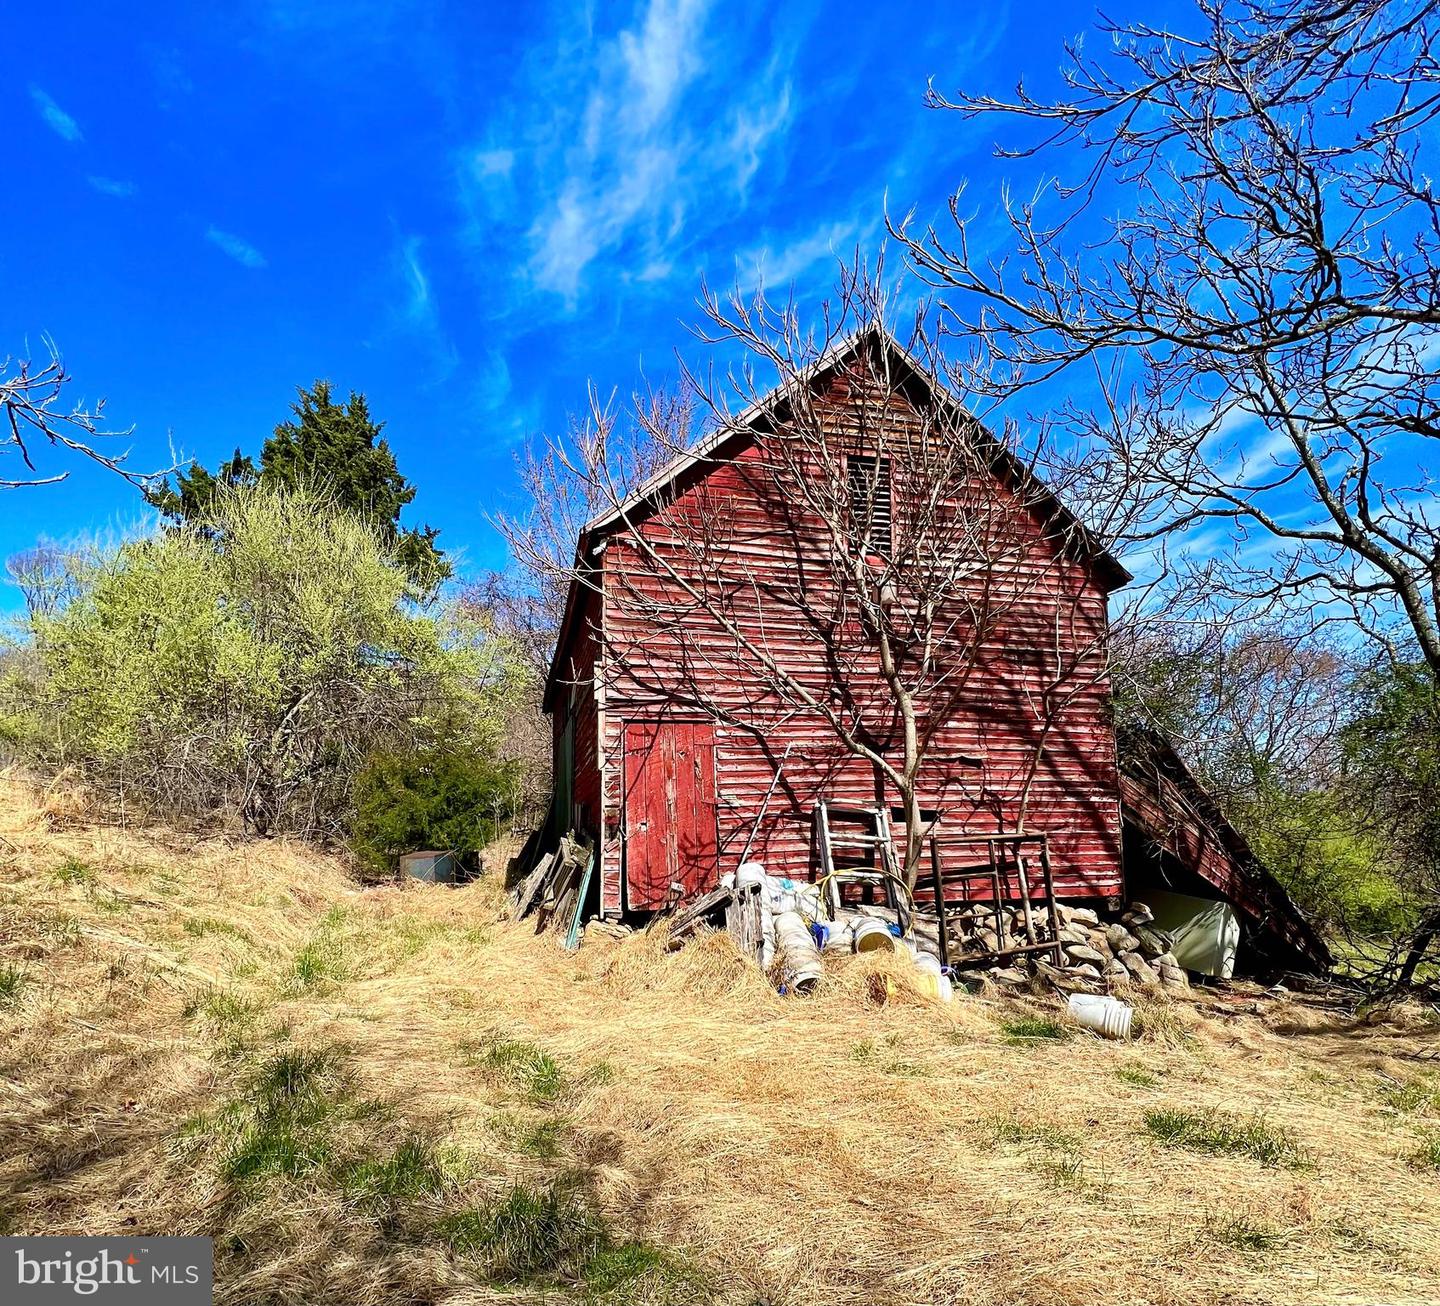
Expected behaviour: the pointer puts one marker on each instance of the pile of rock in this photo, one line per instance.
(1130, 949)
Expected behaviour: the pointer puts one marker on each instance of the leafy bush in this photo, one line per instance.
(253, 665)
(443, 798)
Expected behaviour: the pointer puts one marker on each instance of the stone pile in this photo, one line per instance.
(1130, 949)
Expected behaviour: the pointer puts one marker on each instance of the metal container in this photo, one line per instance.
(432, 867)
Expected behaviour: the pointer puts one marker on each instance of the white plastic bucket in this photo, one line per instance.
(873, 936)
(1105, 1015)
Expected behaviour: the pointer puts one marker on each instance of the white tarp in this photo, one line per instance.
(1206, 932)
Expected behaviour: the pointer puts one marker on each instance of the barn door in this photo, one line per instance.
(669, 810)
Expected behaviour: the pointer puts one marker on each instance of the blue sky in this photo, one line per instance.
(464, 211)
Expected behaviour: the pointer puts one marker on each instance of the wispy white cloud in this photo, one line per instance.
(494, 163)
(631, 143)
(617, 184)
(60, 122)
(240, 250)
(755, 126)
(112, 186)
(418, 315)
(779, 262)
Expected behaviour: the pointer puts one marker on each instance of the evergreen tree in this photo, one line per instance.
(329, 448)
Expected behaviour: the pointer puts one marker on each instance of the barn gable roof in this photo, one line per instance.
(769, 413)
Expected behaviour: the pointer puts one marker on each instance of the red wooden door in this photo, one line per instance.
(669, 810)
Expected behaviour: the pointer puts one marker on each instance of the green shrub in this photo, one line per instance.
(452, 799)
(1221, 1133)
(254, 663)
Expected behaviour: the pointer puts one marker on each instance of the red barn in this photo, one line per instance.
(714, 677)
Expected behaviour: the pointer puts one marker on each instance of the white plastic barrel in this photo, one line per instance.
(1105, 1015)
(798, 953)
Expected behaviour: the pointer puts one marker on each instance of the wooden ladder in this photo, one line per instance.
(864, 833)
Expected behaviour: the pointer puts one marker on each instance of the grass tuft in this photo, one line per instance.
(1224, 1134)
(1033, 1029)
(550, 1232)
(553, 1235)
(1011, 1129)
(321, 962)
(1137, 1075)
(12, 980)
(73, 871)
(1412, 1096)
(200, 926)
(1427, 1155)
(543, 1141)
(409, 1173)
(529, 1068)
(284, 1121)
(1052, 1152)
(637, 1272)
(1244, 1234)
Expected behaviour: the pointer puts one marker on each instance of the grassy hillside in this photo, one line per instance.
(385, 1095)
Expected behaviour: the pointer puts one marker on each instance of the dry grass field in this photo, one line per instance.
(386, 1095)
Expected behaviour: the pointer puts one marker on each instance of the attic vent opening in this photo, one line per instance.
(871, 503)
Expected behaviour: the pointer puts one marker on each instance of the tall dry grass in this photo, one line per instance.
(382, 1095)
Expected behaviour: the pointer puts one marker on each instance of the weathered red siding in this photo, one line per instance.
(1045, 768)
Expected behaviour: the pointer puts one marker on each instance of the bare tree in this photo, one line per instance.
(31, 398)
(861, 570)
(48, 575)
(557, 504)
(1256, 707)
(1232, 273)
(1258, 327)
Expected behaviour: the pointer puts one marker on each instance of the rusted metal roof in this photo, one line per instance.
(1162, 798)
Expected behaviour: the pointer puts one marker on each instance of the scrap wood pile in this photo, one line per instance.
(556, 888)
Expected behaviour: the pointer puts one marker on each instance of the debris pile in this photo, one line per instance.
(1130, 949)
(789, 928)
(557, 889)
